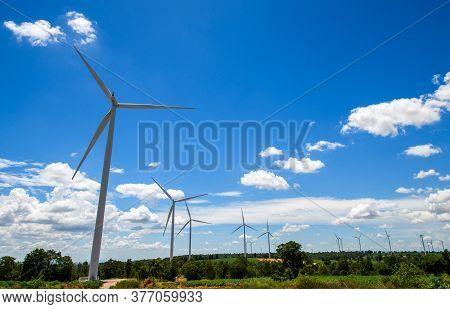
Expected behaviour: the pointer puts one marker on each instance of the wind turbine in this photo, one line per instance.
(442, 244)
(338, 239)
(190, 228)
(359, 241)
(251, 246)
(342, 245)
(108, 119)
(245, 236)
(432, 247)
(172, 212)
(423, 243)
(268, 236)
(388, 237)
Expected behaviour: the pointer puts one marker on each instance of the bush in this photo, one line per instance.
(190, 270)
(407, 276)
(238, 268)
(127, 284)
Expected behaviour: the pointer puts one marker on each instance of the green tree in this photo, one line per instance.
(8, 268)
(238, 268)
(190, 270)
(292, 256)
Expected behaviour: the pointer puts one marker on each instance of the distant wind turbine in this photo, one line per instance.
(172, 212)
(109, 118)
(359, 241)
(245, 236)
(432, 247)
(190, 228)
(389, 240)
(268, 236)
(442, 244)
(423, 243)
(338, 239)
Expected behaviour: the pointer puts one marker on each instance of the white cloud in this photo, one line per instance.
(270, 151)
(436, 79)
(323, 145)
(385, 226)
(82, 26)
(303, 165)
(403, 190)
(40, 33)
(444, 178)
(446, 227)
(228, 193)
(424, 174)
(291, 228)
(140, 215)
(439, 203)
(73, 154)
(52, 175)
(146, 191)
(154, 164)
(5, 163)
(423, 150)
(385, 119)
(117, 170)
(264, 180)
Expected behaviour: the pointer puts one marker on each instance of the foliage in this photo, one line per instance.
(127, 284)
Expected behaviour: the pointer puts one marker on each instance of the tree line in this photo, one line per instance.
(290, 261)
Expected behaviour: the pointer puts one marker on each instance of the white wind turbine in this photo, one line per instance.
(359, 241)
(190, 228)
(172, 212)
(388, 237)
(245, 236)
(268, 236)
(109, 118)
(339, 242)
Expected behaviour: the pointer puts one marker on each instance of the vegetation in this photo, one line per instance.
(290, 268)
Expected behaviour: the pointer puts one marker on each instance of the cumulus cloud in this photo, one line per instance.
(303, 165)
(270, 151)
(424, 174)
(140, 215)
(154, 164)
(439, 203)
(436, 79)
(82, 26)
(5, 163)
(39, 33)
(291, 228)
(146, 191)
(117, 170)
(264, 180)
(403, 190)
(387, 118)
(444, 178)
(323, 145)
(423, 150)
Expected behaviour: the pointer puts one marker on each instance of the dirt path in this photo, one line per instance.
(106, 284)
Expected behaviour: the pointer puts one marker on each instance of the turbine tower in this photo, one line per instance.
(359, 242)
(423, 243)
(245, 236)
(268, 236)
(338, 239)
(108, 119)
(342, 245)
(190, 228)
(442, 244)
(172, 212)
(432, 247)
(389, 240)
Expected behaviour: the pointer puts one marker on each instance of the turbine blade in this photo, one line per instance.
(94, 139)
(237, 228)
(249, 227)
(183, 227)
(189, 213)
(165, 192)
(201, 221)
(191, 197)
(270, 234)
(151, 106)
(96, 77)
(262, 234)
(168, 217)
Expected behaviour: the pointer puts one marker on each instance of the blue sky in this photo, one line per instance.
(235, 61)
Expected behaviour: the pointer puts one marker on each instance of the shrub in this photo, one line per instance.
(127, 284)
(407, 276)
